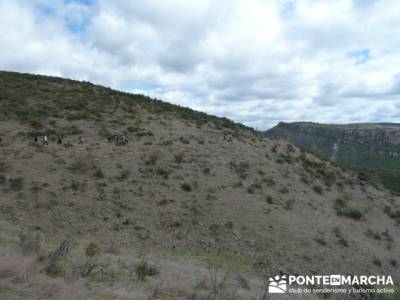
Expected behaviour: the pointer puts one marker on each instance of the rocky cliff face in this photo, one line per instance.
(375, 147)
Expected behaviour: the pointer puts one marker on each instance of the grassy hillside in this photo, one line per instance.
(373, 148)
(194, 207)
(34, 99)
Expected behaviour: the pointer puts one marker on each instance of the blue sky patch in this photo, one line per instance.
(76, 26)
(85, 2)
(288, 9)
(46, 11)
(138, 87)
(360, 56)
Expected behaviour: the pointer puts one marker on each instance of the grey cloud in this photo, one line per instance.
(257, 62)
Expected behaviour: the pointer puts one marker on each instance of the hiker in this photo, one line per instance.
(59, 141)
(45, 141)
(80, 141)
(125, 140)
(35, 139)
(109, 139)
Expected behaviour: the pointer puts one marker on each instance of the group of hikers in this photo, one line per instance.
(116, 139)
(45, 140)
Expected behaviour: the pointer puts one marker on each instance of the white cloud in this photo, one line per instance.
(256, 61)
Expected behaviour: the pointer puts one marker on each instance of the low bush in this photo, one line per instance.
(163, 173)
(144, 269)
(3, 179)
(290, 148)
(289, 204)
(393, 213)
(99, 174)
(151, 160)
(29, 244)
(92, 249)
(123, 175)
(317, 189)
(343, 208)
(240, 168)
(16, 184)
(251, 189)
(80, 163)
(186, 187)
(179, 158)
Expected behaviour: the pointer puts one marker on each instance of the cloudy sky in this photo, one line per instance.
(257, 62)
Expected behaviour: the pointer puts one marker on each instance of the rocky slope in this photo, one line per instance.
(371, 147)
(211, 206)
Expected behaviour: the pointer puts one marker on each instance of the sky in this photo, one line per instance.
(257, 62)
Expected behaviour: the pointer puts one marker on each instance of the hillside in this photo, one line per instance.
(374, 148)
(194, 207)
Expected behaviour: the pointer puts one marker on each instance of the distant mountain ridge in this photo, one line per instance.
(374, 147)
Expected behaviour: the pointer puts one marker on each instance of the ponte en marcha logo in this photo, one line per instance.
(324, 284)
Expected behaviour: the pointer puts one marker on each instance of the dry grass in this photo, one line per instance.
(168, 287)
(56, 289)
(23, 276)
(18, 269)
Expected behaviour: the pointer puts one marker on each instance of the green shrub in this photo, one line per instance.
(317, 189)
(36, 124)
(284, 190)
(75, 185)
(280, 161)
(308, 164)
(186, 187)
(289, 204)
(91, 249)
(3, 179)
(143, 269)
(341, 240)
(352, 213)
(393, 213)
(342, 208)
(151, 160)
(290, 148)
(178, 158)
(16, 184)
(71, 130)
(123, 175)
(321, 241)
(163, 172)
(80, 163)
(251, 189)
(99, 174)
(373, 234)
(328, 177)
(29, 244)
(133, 129)
(241, 168)
(284, 158)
